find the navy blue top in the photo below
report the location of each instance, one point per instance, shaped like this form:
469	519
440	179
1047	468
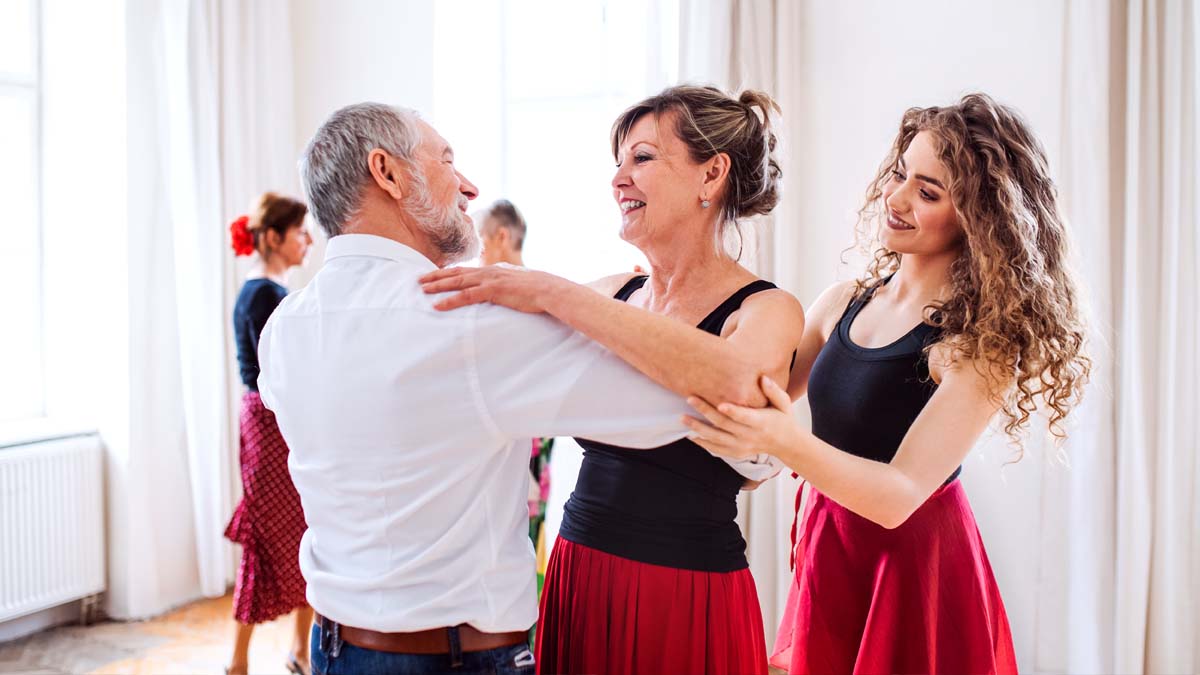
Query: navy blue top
863	400
257	299
673	505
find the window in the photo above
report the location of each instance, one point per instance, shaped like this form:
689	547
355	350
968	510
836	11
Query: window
527	91
22	362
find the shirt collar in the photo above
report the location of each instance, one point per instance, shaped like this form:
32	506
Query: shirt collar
374	246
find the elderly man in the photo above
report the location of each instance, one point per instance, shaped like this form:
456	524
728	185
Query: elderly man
409	427
502	229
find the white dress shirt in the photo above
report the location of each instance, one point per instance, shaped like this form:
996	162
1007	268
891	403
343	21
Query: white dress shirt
408	430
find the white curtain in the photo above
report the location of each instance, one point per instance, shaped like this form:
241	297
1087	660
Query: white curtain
1130	509
209	105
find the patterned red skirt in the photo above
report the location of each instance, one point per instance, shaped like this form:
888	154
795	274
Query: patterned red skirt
917	599
605	614
268	522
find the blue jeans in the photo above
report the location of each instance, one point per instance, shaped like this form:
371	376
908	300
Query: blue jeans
330	655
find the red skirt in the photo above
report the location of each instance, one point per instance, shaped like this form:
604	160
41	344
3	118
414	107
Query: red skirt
917	599
605	614
268	522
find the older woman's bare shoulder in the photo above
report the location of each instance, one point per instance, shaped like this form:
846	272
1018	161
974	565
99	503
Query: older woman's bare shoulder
776	308
776	300
611	284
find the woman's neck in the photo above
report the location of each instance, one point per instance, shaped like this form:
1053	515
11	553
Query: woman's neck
680	275
271	268
922	279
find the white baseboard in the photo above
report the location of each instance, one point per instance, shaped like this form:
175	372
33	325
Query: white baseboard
40	621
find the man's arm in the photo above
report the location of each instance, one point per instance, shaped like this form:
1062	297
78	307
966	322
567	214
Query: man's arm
538	377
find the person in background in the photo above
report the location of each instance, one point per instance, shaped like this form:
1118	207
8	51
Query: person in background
502	231
268	522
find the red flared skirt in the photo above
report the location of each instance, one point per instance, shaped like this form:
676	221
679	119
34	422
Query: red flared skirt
268	522
920	598
601	613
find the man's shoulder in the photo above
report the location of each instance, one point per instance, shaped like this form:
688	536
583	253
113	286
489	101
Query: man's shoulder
496	318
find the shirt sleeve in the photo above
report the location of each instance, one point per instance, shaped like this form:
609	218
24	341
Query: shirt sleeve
538	377
759	468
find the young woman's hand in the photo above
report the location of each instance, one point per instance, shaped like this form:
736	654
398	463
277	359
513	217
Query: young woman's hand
513	287
741	433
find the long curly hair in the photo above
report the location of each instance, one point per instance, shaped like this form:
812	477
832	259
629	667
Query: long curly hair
1014	306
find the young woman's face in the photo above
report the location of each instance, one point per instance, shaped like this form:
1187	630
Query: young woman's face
921	218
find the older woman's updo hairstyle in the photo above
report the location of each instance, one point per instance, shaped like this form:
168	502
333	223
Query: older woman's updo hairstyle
709	122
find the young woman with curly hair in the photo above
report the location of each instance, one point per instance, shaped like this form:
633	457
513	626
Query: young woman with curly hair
968	308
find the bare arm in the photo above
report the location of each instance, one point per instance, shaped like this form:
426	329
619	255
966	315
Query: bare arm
819	323
682	358
938	441
685	359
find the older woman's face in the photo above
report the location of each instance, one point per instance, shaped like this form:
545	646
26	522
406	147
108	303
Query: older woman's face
920	213
657	185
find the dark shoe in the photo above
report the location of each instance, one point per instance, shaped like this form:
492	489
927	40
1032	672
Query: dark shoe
293	666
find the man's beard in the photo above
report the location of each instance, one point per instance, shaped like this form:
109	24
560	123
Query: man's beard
449	229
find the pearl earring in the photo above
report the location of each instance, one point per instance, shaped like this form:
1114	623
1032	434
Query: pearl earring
704	203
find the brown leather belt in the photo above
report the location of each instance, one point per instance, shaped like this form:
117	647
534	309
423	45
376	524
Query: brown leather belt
432	641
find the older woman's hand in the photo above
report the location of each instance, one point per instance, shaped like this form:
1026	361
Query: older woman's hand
742	433
513	287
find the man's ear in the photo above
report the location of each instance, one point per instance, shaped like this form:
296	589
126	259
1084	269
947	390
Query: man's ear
387	172
503	237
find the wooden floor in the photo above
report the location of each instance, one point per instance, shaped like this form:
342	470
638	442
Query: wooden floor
197	638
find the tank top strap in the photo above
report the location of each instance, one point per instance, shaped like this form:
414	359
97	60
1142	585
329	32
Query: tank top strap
630	287
716	319
857	302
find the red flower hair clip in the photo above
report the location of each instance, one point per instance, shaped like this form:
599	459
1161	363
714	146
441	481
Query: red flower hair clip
243	241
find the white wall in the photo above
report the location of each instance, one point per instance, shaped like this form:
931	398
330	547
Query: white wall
860	65
351	51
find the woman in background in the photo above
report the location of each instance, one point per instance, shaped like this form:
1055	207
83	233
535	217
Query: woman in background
969	308
268	522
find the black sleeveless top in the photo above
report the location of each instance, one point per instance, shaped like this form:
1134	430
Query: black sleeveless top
863	400
257	299
673	505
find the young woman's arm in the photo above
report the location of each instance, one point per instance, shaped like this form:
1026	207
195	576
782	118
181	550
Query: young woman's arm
938	441
682	358
819	322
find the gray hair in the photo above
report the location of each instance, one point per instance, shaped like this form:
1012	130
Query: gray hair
334	167
505	214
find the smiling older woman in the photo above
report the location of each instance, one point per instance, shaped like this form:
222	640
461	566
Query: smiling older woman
649	574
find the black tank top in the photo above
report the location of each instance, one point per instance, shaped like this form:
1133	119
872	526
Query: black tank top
673	505
863	400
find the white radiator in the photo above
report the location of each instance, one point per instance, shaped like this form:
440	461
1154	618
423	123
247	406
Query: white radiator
51	524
